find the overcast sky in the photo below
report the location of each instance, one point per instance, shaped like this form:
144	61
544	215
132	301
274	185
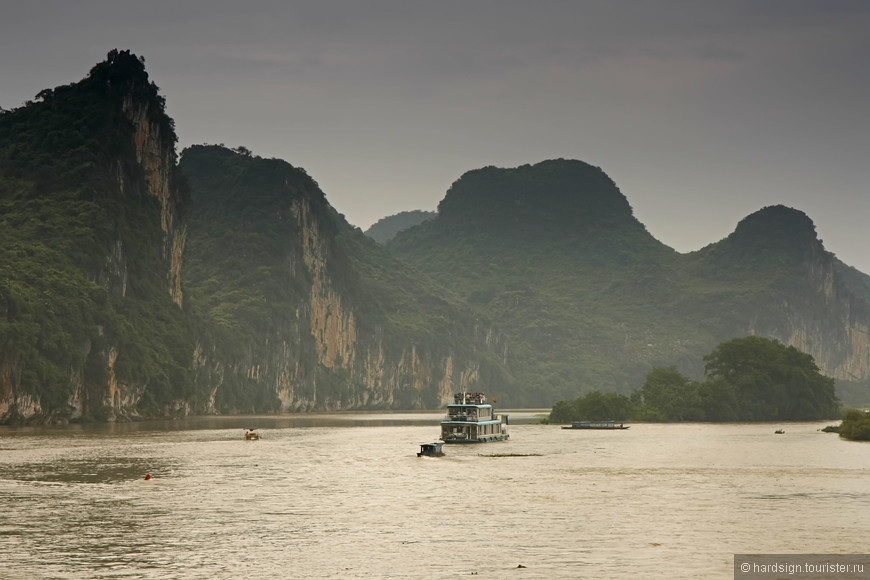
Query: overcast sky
701	111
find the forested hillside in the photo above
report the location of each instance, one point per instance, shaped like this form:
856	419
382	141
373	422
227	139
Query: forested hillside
91	238
552	254
308	313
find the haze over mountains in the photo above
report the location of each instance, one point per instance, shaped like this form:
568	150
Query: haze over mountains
134	285
385	229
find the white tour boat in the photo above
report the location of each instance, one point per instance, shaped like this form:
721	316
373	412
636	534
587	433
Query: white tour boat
470	419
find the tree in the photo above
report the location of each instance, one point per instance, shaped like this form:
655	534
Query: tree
668	395
748	379
855	425
771	381
593	406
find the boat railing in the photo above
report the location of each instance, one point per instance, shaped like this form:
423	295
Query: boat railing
474	418
469	398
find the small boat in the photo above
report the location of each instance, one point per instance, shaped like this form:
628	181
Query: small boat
251	434
431	449
470	419
596	425
779	432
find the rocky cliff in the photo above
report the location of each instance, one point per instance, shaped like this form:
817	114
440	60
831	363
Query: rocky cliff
156	159
92	281
328	320
802	294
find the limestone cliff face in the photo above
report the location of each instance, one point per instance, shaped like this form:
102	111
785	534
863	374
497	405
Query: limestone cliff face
831	323
332	336
149	172
333	327
812	301
373	376
157	159
15	406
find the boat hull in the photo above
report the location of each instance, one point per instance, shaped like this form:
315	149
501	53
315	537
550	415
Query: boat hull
485	439
595	428
599	425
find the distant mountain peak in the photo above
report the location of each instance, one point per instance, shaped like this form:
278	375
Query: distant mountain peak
121	67
552	193
767	239
385	229
776	225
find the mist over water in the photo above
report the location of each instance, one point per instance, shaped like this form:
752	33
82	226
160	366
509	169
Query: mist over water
345	496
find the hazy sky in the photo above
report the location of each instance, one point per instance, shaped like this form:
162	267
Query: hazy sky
701	111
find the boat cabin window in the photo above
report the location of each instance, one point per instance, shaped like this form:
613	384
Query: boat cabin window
470	413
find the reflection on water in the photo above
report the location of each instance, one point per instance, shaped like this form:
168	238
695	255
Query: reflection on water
344	496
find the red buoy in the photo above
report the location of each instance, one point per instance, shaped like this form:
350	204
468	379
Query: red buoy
147	477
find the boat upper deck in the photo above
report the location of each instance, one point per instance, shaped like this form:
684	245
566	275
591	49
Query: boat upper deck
470	413
471	408
469	399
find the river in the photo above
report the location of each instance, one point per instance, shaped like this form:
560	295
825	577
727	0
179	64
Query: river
345	496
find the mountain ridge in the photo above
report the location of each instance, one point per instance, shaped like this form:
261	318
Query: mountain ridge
663	307
136	285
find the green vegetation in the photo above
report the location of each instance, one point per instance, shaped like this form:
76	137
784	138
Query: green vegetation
553	257
264	245
768	381
593	406
65	302
748	379
583	295
855	425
